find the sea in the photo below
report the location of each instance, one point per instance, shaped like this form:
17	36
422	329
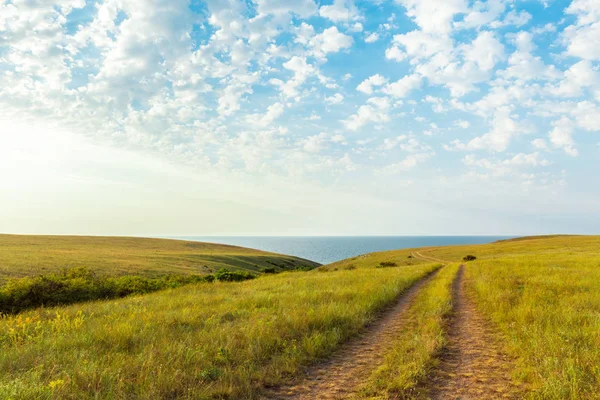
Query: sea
328	249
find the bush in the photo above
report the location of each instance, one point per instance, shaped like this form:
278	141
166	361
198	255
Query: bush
387	264
469	257
269	270
80	284
224	275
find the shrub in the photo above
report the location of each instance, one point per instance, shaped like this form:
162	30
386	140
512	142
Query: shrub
387	264
224	275
80	284
469	257
269	270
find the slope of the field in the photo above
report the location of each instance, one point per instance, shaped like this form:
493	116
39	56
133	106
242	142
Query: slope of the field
25	255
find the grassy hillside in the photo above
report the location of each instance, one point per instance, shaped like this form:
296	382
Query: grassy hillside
25	255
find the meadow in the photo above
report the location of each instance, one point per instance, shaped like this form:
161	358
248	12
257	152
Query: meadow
234	340
542	294
27	255
219	340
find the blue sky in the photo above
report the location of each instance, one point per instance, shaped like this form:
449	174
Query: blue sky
156	117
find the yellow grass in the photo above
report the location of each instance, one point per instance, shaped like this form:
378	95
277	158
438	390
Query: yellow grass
25	255
543	296
230	340
220	340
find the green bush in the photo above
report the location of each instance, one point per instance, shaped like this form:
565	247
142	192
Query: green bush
80	284
225	275
387	264
269	270
469	257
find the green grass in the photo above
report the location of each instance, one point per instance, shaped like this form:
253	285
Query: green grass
219	340
26	255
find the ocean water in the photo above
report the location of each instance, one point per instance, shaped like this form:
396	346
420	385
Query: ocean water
328	249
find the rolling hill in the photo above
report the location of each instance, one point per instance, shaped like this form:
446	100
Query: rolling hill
26	255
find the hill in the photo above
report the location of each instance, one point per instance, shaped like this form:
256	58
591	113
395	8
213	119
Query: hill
26	255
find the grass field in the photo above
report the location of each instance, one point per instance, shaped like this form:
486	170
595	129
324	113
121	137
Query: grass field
22	255
220	340
543	296
540	295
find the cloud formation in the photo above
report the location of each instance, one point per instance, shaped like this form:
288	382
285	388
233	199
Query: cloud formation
317	92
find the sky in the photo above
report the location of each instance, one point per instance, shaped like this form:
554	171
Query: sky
303	117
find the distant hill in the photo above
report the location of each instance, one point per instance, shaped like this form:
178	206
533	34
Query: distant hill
25	255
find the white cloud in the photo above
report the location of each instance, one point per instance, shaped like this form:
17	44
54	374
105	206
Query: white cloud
581	38
419	44
335	99
376	110
340	11
403	86
561	136
514	18
539	144
482	13
239	87
368	84
339	139
579	76
274	111
302	71
485	51
330	41
303	8
356	27
372	37
434	15
394	53
435	57
316	143
587	115
391	143
524	66
504	129
462	124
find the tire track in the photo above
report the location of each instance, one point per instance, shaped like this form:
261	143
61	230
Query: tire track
472	366
341	376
